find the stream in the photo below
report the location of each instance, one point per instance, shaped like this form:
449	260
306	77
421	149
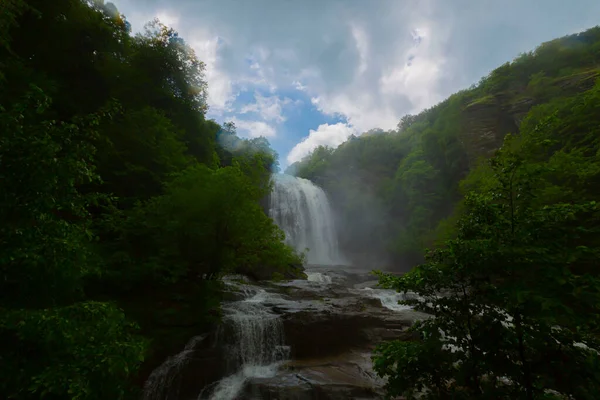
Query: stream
301	339
306	339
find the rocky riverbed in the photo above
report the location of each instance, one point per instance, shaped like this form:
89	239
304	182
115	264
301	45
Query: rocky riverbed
300	340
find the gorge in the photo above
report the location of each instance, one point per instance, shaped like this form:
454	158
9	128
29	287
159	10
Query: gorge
147	253
298	339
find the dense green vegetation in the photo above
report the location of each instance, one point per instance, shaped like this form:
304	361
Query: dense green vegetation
517	261
120	202
521	278
396	191
513	220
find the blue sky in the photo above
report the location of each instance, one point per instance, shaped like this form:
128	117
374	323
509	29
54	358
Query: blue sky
309	72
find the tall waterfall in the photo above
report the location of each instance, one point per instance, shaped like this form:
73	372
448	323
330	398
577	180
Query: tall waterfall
301	209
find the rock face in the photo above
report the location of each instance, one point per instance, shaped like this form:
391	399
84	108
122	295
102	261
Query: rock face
183	375
347	376
488	119
329	325
332	325
343	323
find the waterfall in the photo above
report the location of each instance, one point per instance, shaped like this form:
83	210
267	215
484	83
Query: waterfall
257	346
301	209
165	381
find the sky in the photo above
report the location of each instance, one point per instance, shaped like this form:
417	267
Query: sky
304	73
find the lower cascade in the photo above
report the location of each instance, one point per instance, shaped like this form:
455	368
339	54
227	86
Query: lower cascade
256	347
306	339
165	381
301	209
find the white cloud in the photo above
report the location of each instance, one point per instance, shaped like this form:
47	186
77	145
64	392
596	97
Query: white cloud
299	86
417	73
220	87
325	135
254	129
369	61
206	46
168	18
362	45
273	47
269	108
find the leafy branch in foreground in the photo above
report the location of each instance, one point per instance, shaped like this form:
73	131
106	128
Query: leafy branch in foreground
55	344
514	305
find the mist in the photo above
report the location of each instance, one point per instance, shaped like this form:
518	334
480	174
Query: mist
361	218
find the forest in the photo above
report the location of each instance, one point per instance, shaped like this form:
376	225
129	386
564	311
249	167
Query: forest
490	198
122	205
120	202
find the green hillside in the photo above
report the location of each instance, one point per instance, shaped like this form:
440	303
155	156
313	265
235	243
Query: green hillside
395	192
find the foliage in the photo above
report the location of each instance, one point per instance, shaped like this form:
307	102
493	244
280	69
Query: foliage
403	185
42	254
514	296
208	222
112	178
53	343
81	351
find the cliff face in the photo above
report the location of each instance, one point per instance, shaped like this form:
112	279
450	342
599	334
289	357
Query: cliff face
488	119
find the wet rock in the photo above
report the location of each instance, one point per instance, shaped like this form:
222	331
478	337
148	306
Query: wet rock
313	334
232	295
367	284
295	271
348	376
358	322
183	375
203	368
291	271
330	325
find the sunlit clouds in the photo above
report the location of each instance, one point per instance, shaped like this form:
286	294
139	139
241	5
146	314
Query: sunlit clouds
359	64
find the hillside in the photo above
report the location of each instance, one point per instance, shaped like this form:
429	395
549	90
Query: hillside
395	192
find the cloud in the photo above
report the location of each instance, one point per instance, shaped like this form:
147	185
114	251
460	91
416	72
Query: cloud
254	129
325	135
369	61
221	93
268	108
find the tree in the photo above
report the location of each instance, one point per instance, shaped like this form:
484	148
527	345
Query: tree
517	316
207	223
54	342
115	183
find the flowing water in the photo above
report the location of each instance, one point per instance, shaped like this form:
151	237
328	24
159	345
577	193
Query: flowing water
252	331
165	381
301	209
329	304
389	298
257	346
318	277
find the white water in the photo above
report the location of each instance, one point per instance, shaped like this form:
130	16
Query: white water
257	347
301	209
389	298
318	277
163	383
